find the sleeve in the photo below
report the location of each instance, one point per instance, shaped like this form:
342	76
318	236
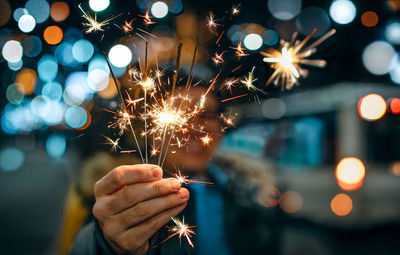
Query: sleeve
90	241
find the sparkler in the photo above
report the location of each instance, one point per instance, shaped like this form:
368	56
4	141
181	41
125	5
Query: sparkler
211	23
185	180
218	58
147	19
91	24
114	144
239	51
287	62
182	230
206	140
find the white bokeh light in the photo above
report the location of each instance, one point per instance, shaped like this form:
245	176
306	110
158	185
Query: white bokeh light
98	80
392	32
159	9
378	57
120	55
26	23
253	41
342	11
284	9
12	51
99	5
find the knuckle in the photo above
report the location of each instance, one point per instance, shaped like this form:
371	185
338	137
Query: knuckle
158	186
98	211
128	196
141	210
96	188
117	175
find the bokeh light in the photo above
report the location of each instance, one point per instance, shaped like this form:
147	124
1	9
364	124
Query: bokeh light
120	55
159	9
39	9
350	173
26	23
372	107
395	168
12	51
11	159
175	6
59	11
18	13
74	95
82	50
369	19
47	68
99	5
15	66
27	81
109	92
291	201
56	145
273	108
52	90
253	41
14	94
270	37
284	9
392	32
75	117
64	54
98	79
32	46
53	35
342	11
378	57
341	204
311	18
394	105
395	69
5	12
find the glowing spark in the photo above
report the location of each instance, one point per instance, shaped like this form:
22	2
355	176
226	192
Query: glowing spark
206	140
91	24
127	27
287	62
147	84
218	58
182	179
239	51
249	80
182	230
121	122
147	19
235	10
228	85
211	23
128	151
228	120
114	144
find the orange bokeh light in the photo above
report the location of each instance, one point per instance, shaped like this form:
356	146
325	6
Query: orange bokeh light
110	91
53	35
291	201
59	11
394	105
88	121
341	204
369	19
350	173
26	80
372	107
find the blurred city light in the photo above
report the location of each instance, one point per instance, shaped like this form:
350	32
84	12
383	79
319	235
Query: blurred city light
11	159
32	46
284	9
59	11
17	14
14	94
99	5
39	9
12	51
395	168
26	23
270	37
56	145
313	18
120	55
27	81
98	79
75	117
394	105
372	107
82	50
159	9
47	68
369	19
350	173
15	66
273	108
74	94
342	11
378	57
52	90
175	6
291	201
253	41
392	32
64	54
53	35
341	204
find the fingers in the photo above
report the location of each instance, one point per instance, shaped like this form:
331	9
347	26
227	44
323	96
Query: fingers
126	175
134	194
147	209
143	232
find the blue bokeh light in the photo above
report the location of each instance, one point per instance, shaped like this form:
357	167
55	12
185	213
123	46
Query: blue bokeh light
52	90
47	68
75	117
32	46
11	159
82	50
56	146
39	9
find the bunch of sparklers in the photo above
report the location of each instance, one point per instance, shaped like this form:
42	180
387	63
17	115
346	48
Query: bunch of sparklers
167	114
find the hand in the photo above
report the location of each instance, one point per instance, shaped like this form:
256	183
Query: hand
133	202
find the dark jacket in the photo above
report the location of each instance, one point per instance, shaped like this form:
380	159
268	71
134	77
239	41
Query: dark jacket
248	227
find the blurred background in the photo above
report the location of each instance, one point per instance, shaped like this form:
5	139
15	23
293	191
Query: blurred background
333	142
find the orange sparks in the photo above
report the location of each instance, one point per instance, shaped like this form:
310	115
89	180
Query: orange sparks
114	144
206	140
147	19
127	27
182	179
218	58
232	98
239	51
211	23
227	85
181	230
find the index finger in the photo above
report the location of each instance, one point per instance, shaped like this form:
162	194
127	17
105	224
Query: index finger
126	175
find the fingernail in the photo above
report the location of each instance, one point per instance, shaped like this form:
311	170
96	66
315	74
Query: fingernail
175	184
183	194
155	172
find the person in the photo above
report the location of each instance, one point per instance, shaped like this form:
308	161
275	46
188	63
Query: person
133	203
